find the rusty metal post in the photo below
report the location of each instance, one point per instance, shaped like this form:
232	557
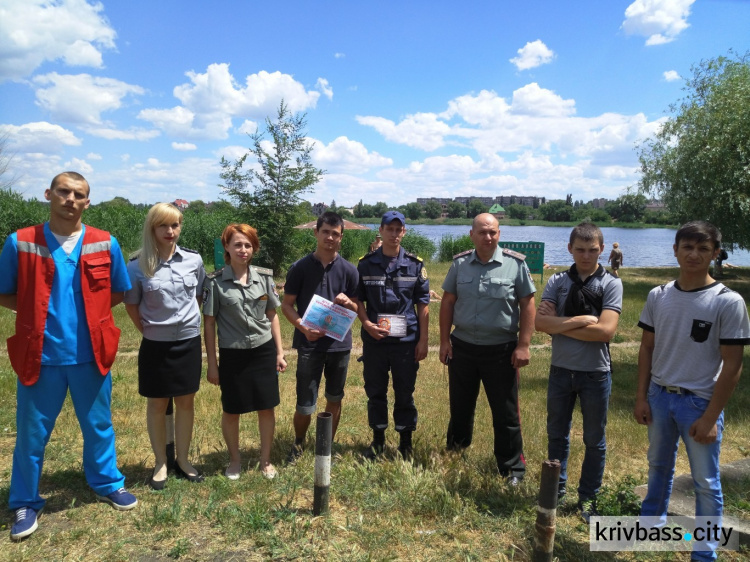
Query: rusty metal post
323	437
546	512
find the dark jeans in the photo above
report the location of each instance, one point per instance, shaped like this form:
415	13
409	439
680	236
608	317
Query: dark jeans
593	389
378	359
490	365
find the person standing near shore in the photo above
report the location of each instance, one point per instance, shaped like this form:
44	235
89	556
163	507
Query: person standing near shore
615	257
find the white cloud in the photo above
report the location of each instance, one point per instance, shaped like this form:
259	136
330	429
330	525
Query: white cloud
132	133
247	128
661	21
671	75
39	137
535	101
81	98
212	99
343	155
93	156
184	146
421	130
80	166
339	55
533	54
324	87
35	31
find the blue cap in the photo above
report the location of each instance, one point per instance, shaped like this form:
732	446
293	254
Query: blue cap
391	216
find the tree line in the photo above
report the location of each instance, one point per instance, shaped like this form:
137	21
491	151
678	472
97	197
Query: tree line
628	208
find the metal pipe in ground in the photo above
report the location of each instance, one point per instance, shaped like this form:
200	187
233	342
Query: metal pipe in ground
546	512
323	438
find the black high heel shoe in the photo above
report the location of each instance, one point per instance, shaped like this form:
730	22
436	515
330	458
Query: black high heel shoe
179	473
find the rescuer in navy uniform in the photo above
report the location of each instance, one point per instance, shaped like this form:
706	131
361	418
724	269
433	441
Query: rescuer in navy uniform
394	287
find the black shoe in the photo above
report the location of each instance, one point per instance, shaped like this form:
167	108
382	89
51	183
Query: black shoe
373	452
170	457
157	484
513	481
294	453
587	510
179	473
561	491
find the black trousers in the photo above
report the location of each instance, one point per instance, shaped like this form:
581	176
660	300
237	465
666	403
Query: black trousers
378	359
490	365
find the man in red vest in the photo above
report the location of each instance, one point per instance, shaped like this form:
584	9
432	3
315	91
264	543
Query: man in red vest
62	278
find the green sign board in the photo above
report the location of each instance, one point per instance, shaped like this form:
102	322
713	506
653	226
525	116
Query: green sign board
219	254
534	252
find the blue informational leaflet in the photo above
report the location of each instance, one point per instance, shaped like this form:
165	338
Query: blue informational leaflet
331	319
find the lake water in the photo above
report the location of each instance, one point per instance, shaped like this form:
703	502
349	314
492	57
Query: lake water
641	247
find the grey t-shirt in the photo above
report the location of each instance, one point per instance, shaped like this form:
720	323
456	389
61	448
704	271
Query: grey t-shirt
689	329
570	353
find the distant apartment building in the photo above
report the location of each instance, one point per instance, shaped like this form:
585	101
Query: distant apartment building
319	208
502	200
657	206
599	203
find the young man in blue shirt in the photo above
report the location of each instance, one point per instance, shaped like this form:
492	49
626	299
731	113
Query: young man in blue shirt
62	278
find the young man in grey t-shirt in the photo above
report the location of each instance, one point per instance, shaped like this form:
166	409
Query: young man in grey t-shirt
689	363
580	309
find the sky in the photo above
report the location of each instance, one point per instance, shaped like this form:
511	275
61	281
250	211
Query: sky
403	99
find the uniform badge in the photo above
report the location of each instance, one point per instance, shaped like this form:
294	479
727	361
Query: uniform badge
423	274
205	294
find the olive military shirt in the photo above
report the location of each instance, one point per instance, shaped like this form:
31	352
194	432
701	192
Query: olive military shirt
240	310
486	310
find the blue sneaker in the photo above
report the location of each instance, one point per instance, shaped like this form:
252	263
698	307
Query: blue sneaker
25	523
121	500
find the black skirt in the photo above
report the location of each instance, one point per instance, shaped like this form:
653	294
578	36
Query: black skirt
248	379
169	368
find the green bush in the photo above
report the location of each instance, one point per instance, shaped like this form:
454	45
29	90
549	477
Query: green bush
450	246
17	213
419	244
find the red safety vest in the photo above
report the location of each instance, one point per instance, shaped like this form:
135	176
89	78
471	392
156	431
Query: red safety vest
36	269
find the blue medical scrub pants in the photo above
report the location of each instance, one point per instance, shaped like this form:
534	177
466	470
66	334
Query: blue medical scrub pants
37	408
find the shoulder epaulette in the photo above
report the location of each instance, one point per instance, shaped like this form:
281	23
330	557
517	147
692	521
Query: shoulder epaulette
263	270
214	274
189	250
514	254
367	255
462	254
413	256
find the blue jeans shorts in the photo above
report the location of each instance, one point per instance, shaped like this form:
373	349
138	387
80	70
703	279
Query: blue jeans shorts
310	368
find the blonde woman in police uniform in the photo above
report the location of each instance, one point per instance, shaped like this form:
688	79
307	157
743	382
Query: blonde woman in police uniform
164	305
240	301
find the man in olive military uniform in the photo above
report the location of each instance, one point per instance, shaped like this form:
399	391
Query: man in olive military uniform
393	285
489	298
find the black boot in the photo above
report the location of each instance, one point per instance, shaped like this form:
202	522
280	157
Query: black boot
377	446
404	446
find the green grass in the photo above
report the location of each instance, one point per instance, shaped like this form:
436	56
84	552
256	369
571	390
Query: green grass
441	507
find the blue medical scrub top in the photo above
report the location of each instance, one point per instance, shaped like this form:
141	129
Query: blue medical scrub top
66	334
